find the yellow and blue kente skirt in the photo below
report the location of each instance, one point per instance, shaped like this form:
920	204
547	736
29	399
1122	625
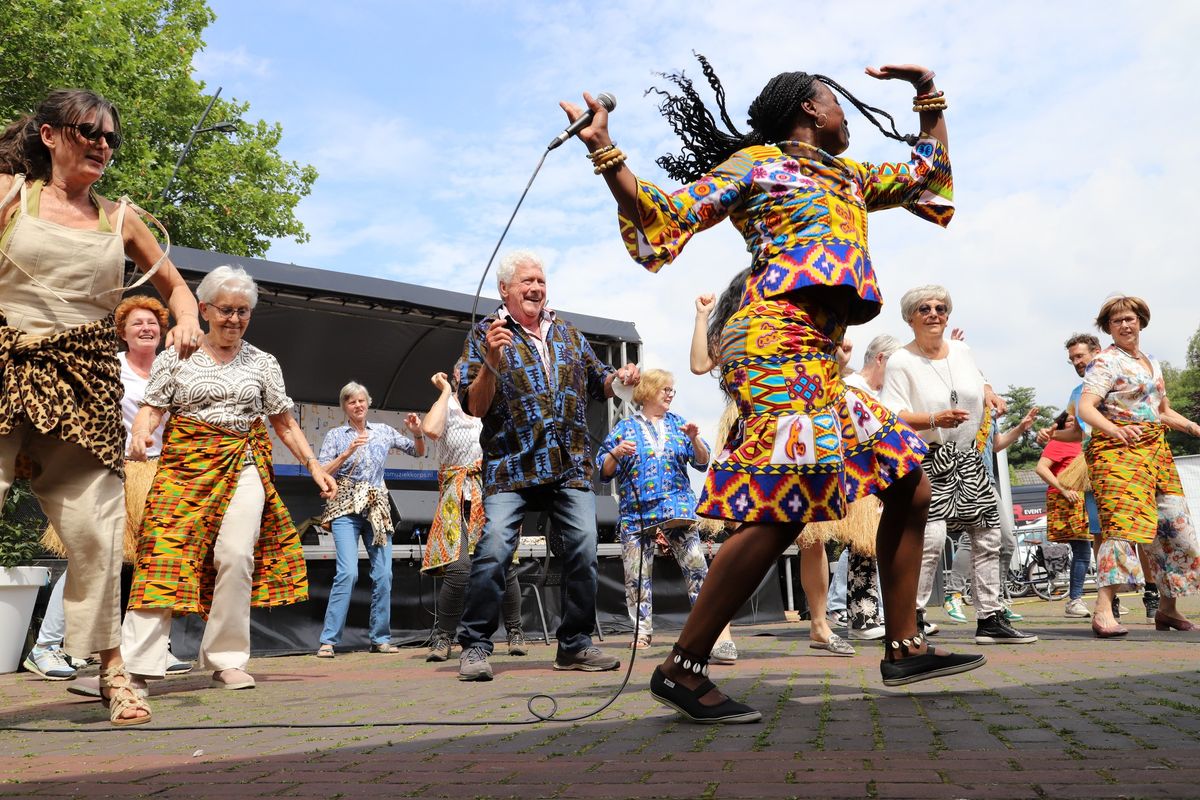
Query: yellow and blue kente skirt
805	445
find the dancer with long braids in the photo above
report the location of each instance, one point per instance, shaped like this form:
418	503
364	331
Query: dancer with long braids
806	446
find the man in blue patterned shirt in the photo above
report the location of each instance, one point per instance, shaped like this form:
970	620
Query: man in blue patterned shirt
528	376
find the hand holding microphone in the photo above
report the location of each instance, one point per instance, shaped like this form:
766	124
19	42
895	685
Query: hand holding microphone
591	125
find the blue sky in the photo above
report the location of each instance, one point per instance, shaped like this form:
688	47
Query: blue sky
1072	133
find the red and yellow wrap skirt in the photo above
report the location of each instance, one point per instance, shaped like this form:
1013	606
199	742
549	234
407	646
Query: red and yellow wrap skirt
197	475
1127	479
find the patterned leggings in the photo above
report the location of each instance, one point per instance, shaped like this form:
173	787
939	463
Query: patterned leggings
862	595
637	554
1174	554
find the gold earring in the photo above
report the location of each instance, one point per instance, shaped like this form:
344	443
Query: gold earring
821	120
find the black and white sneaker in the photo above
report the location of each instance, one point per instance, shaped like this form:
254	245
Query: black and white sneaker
995	629
927	628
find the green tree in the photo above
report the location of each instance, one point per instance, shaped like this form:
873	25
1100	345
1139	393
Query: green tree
1025	451
1183	390
234	193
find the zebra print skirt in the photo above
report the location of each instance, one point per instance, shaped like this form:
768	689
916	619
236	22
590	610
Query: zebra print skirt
962	494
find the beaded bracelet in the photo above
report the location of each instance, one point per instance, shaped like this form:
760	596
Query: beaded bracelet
934	105
592	156
611	163
929	96
608	154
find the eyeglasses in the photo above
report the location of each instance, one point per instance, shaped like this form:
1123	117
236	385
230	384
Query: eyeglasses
925	309
226	312
92	132
669	392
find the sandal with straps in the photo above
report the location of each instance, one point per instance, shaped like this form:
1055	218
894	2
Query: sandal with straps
687	701
123	698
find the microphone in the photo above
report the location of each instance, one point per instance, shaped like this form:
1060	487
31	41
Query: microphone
604	98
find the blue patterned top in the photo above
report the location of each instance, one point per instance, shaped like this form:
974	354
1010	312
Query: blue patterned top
653	483
365	464
535	432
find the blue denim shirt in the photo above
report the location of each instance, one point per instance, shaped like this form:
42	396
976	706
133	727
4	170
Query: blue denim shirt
367	463
535	432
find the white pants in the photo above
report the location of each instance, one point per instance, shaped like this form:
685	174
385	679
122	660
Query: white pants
985	566
85	502
226	644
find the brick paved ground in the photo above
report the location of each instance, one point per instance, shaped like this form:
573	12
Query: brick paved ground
1071	716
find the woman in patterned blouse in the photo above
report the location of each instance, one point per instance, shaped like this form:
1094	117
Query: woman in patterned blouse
1133	475
801	453
649	453
216	537
355	454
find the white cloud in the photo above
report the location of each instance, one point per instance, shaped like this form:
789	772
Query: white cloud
217	65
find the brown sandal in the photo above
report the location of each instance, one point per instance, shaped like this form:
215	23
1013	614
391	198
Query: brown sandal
123	697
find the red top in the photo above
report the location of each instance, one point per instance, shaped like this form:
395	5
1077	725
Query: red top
1061	454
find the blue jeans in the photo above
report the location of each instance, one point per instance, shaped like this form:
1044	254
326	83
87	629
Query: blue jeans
346	532
573	512
838	583
1081	558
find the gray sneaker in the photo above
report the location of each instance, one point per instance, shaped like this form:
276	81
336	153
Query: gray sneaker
473	665
50	663
589	659
517	645
439	649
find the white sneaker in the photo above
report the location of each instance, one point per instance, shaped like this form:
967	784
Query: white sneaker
869	633
1077	608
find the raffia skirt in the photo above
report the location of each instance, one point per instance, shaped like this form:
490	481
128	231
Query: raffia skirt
138	477
805	446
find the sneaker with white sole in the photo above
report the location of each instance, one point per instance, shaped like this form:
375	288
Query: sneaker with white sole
473	664
589	659
177	666
1077	608
868	633
1012	616
51	663
954	608
994	629
927	628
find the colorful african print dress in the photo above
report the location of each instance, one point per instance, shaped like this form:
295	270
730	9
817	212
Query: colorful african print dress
1137	487
805	445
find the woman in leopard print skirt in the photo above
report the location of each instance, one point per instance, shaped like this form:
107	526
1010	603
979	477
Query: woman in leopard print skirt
62	257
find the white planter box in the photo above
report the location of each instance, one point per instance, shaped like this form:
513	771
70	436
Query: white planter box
18	592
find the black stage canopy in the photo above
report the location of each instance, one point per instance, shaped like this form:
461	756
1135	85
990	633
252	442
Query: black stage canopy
327	328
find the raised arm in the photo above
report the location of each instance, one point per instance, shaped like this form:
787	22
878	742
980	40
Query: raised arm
434	424
933	121
620	179
701	360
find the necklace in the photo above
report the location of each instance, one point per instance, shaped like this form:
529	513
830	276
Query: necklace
948	384
1137	357
215	356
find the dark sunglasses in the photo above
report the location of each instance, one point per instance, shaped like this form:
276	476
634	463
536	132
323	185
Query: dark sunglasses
925	309
93	134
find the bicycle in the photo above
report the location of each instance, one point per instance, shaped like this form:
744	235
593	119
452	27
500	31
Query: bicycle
1028	571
